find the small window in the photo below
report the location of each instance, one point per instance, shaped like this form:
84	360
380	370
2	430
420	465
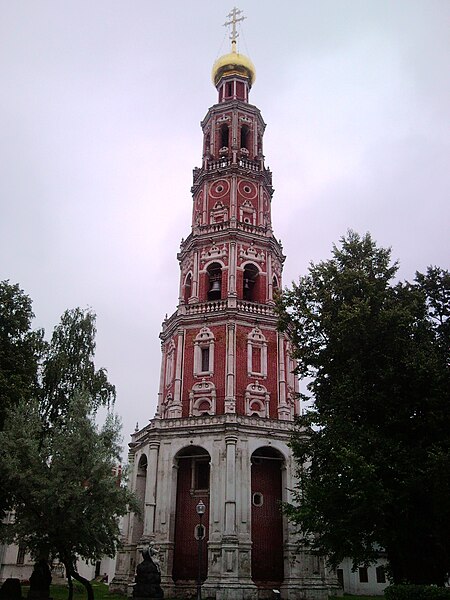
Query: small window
363	575
256	359
205	359
258	499
381	575
340	577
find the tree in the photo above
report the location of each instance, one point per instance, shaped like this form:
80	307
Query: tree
56	467
21	348
373	452
69	367
67	497
20	353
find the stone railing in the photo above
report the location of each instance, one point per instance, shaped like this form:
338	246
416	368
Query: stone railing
222	163
251	165
204	308
249	228
254	308
212	227
215	306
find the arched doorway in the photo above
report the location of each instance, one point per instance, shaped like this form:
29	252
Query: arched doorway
192	486
267	518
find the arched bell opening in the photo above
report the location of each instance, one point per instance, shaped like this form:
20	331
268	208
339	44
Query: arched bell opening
267	518
214	273
251	274
245	139
193	483
224	139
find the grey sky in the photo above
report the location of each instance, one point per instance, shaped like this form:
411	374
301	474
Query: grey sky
100	104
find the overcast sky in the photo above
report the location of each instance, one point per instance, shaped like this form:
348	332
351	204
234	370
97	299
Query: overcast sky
100	104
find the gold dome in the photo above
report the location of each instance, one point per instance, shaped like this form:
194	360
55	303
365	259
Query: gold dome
233	63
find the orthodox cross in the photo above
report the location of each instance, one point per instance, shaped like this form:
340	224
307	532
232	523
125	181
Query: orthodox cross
233	19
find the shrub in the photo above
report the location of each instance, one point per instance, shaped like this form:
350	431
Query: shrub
416	592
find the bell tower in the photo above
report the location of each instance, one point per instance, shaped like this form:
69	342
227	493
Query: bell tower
228	395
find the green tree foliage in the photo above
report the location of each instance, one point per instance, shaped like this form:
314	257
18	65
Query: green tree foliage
373	452
69	368
21	349
56	466
67	497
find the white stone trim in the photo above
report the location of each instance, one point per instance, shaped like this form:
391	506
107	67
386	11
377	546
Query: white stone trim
204	339
256	339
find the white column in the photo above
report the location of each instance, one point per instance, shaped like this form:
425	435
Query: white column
283	408
194	294
150	490
269	278
158	414
232	270
230	489
230	398
233	200
176	406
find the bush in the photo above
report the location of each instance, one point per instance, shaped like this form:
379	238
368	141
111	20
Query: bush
416	592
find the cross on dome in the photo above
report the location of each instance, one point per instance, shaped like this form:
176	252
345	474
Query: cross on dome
234	18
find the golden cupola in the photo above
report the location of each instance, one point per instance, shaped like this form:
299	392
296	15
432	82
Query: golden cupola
233	64
233	74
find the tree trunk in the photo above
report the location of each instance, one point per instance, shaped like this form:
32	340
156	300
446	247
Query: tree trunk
70	584
71	573
86	583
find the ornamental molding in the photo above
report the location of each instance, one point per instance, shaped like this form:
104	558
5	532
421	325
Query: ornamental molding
214	252
252	253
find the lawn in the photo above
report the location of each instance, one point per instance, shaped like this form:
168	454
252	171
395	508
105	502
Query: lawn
350	597
60	592
101	592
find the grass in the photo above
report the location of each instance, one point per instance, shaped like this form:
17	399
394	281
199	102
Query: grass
351	597
60	592
101	592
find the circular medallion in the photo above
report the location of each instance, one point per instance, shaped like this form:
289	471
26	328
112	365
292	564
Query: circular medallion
247	189
219	188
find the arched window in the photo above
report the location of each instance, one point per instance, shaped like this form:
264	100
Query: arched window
214	281
250	277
